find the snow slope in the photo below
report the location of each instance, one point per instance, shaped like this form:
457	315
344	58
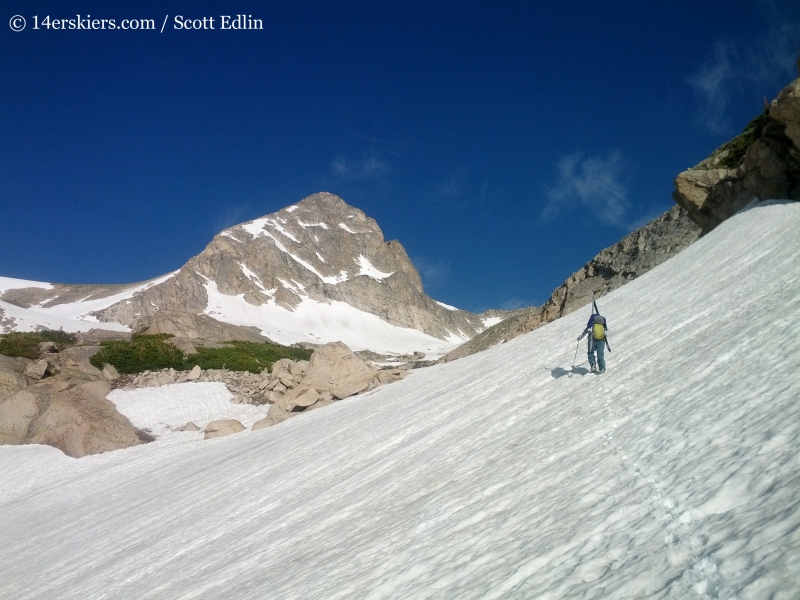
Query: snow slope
69	316
674	475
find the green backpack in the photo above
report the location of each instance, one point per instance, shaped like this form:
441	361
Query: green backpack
598	328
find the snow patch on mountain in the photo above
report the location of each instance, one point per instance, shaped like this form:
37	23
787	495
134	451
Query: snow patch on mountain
10	283
69	316
319	323
307	225
370	271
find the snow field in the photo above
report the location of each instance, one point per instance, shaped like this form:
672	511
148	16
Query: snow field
163	409
674	475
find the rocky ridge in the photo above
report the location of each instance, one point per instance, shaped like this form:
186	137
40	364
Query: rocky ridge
762	163
633	256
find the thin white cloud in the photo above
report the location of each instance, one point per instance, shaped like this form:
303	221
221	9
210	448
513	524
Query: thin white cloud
230	215
368	167
433	274
592	183
453	186
742	66
713	84
514	303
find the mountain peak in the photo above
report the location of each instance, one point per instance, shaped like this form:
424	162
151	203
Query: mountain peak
315	271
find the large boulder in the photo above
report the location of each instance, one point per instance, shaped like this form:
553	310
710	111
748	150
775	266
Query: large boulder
762	163
302	396
37	370
16	413
222	428
72	365
12	378
77	420
334	367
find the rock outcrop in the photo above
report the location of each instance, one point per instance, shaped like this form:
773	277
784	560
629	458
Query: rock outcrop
77	420
760	164
60	400
633	256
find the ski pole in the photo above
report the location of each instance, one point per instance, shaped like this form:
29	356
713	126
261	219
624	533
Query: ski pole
576	355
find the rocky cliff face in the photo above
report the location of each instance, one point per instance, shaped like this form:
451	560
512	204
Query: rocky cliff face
762	163
320	250
633	256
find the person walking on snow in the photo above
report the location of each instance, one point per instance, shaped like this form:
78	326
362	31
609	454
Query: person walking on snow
596	328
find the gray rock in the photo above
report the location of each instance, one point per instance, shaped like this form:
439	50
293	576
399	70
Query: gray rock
77	420
48	348
194	374
37	370
390	376
760	164
110	372
12	375
223	428
265	422
301	396
190	427
335	368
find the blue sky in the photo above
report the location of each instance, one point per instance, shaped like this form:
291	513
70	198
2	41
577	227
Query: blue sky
503	144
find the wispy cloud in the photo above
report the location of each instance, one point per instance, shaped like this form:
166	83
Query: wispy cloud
737	66
453	186
713	84
433	274
593	183
230	215
368	167
514	303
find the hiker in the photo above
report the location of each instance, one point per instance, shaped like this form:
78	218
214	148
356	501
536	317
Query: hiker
596	328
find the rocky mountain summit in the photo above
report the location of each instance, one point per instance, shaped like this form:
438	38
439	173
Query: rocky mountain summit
311	273
319	251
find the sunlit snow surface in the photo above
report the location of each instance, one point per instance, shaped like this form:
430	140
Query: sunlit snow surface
164	409
674	475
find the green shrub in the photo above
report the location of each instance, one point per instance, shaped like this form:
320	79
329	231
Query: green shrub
152	352
244	356
27	344
142	353
738	146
